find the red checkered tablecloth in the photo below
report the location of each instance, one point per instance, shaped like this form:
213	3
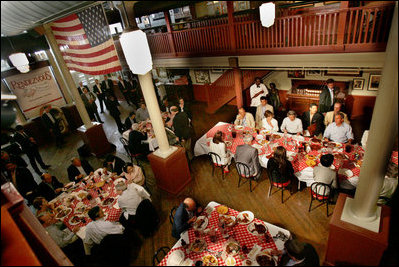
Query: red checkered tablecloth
238	232
113	213
394	157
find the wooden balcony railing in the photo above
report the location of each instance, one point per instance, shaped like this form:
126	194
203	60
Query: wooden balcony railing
359	29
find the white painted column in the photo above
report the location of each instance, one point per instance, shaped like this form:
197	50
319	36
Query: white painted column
155	115
67	76
363	210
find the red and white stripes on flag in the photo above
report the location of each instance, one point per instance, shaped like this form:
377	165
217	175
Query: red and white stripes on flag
86	43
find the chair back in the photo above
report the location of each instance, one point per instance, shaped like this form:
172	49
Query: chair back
243	170
320	191
215	158
124	141
172	215
277	180
159	255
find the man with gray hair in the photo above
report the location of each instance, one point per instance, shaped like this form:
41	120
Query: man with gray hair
291	124
339	131
248	155
79	169
137	208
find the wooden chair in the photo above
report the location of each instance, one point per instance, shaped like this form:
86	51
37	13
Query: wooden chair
172	215
320	192
243	172
132	156
279	183
216	161
159	255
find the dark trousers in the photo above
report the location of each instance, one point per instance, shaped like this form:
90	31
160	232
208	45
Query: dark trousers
101	99
34	156
252	110
118	122
128	97
95	112
58	136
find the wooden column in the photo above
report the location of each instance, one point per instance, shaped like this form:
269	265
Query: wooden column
238	85
342	22
170	33
230	11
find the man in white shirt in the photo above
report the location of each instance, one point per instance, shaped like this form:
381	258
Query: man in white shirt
257	90
330	116
291	124
339	131
99	228
260	111
244	119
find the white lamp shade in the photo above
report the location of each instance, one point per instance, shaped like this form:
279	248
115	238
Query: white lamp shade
137	52
267	14
20	61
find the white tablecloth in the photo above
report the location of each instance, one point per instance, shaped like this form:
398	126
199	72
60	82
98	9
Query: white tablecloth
152	142
306	175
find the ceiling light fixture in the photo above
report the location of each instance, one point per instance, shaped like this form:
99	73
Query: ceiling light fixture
19	60
267	14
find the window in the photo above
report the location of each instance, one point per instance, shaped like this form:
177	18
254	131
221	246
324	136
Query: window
116	28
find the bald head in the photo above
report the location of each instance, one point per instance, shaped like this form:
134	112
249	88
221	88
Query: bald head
190	204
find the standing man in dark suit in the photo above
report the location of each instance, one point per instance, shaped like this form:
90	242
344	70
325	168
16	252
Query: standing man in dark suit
313	121
53	125
326	97
89	99
100	94
184	216
134	90
185	107
124	86
30	148
249	155
182	128
80	88
130	120
79	169
50	187
22	179
114	164
107	86
112	105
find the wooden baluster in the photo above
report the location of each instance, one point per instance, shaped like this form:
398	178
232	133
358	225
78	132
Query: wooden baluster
374	22
305	24
314	31
366	33
333	42
360	28
355	28
380	25
328	29
300	31
350	26
253	46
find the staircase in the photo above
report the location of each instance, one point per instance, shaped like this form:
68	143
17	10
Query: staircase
222	90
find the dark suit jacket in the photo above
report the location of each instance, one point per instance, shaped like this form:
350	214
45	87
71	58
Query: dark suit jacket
180	221
119	163
46	191
111	86
73	171
18	160
135	145
49	124
311	257
91	106
25	143
187	109
113	107
25	181
97	91
182	126
318	118
249	156
128	123
81	91
124	88
277	175
325	100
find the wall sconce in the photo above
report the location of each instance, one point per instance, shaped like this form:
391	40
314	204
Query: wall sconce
267	14
20	61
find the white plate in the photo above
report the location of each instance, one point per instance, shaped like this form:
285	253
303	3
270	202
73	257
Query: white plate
251	217
118	180
239	127
68	185
251	227
175	258
232	217
230	261
228	143
70	220
81	192
260	137
266	252
264	132
68	212
204	224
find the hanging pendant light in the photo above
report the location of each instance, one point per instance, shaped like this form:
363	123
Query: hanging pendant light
19	60
267	14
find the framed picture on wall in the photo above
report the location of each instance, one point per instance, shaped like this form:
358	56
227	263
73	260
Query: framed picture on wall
202	76
358	84
374	82
296	74
313	73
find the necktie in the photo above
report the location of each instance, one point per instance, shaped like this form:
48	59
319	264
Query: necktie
25	135
51	117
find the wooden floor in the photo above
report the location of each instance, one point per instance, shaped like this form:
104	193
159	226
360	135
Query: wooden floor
293	215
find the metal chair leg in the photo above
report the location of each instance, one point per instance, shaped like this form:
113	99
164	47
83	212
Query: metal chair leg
250	185
270	189
282	195
327	208
239	180
310	206
222	168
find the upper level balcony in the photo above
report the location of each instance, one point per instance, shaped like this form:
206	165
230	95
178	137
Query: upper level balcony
340	30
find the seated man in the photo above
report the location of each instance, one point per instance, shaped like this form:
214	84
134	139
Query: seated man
330	116
50	187
97	229
137	208
390	184
114	164
130	120
249	156
261	109
8	157
291	124
79	169
184	216
136	146
22	179
312	122
142	113
339	131
296	253
244	119
324	174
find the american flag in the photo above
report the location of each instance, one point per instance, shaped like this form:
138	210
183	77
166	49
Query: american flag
86	43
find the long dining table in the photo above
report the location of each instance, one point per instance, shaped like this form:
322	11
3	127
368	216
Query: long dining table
239	233
346	163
